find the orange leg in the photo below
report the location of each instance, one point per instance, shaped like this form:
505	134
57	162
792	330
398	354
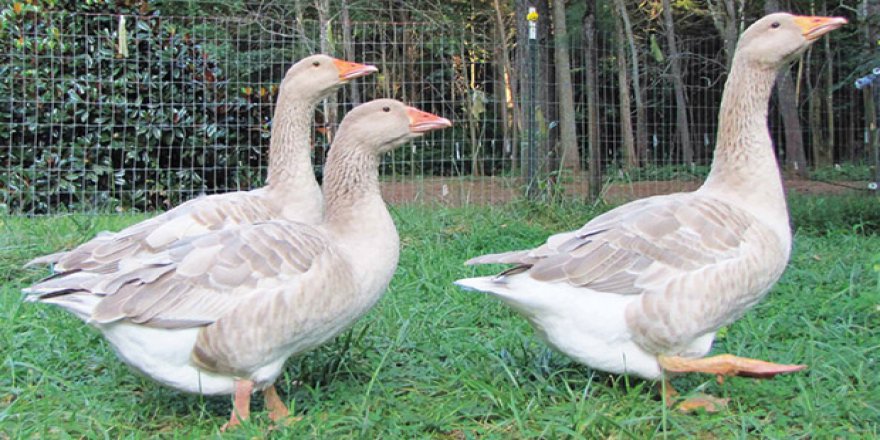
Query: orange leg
669	392
277	409
241	405
721	366
726	365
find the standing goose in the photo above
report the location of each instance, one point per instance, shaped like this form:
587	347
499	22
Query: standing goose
219	313
291	194
643	288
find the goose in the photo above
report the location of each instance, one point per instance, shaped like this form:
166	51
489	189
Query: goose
643	288
292	193
219	313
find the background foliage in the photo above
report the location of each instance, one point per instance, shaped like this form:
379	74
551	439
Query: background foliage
147	123
176	100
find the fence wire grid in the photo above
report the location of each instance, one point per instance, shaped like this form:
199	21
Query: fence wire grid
122	111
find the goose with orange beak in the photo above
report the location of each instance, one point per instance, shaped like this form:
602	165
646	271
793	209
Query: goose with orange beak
291	193
643	288
220	312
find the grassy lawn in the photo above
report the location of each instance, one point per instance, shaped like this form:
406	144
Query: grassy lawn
431	361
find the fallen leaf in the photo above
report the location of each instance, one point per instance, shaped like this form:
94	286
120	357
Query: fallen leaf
705	402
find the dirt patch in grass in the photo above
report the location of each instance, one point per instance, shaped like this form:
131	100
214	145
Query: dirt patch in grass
492	190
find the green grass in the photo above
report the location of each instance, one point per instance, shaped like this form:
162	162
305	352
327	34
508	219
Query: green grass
653	172
845	171
431	361
681	172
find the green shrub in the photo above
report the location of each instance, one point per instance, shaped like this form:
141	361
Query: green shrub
102	121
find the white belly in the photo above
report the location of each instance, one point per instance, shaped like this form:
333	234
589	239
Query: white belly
588	326
164	356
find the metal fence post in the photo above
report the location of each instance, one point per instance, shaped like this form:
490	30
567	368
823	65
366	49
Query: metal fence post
875	91
870	80
531	188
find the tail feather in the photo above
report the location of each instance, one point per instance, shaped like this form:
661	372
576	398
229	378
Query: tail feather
56	257
480	284
514	257
80	304
522	293
46	259
64	282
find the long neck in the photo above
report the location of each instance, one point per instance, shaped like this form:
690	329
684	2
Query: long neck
290	158
356	215
351	181
744	168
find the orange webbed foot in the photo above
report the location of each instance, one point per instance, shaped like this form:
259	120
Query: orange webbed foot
277	409
727	365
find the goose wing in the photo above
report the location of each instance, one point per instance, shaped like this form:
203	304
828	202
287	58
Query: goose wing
198	279
641	246
194	217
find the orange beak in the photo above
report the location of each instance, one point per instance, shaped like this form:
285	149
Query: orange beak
815	27
349	70
421	122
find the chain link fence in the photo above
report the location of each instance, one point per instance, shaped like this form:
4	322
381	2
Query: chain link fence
140	110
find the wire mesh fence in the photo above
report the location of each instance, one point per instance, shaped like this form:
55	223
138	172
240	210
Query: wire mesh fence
125	110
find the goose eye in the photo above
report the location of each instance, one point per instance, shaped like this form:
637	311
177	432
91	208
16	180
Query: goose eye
386	109
316	63
775	25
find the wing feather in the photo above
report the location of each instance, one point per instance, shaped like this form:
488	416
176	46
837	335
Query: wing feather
639	245
199	279
194	217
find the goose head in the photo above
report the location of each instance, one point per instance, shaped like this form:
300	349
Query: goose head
314	77
382	125
777	38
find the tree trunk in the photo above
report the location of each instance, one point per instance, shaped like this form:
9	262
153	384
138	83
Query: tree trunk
410	51
299	24
519	80
474	113
590	61
627	148
819	142
870	118
547	111
504	89
724	17
323	8
821	152
795	157
681	114
348	48
639	92
851	143
569	158
829	94
786	98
